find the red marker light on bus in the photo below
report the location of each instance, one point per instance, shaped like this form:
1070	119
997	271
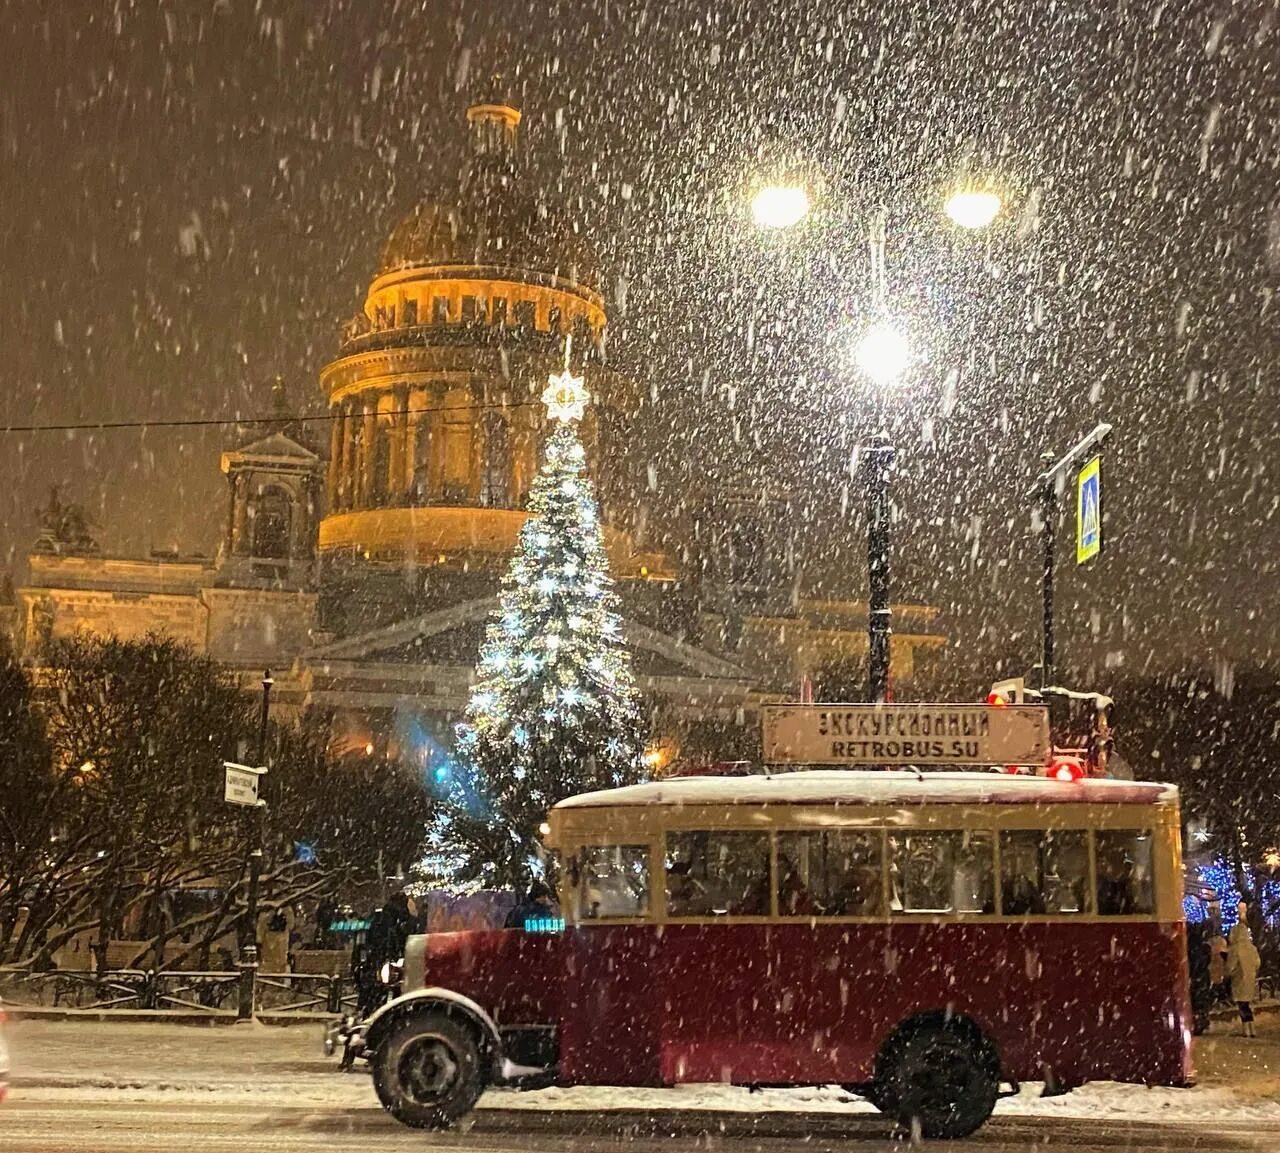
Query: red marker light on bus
1066	769
997	700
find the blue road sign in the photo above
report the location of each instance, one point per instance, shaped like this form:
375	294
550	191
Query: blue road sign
1089	511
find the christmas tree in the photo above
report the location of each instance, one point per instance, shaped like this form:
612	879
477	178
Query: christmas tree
553	711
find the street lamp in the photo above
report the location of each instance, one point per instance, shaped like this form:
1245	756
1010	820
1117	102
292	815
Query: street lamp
973	208
780	206
883	353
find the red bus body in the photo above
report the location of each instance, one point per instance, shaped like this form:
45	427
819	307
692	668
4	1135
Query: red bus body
812	1004
937	954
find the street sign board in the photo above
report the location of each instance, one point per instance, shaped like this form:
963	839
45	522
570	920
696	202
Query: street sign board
916	734
241	785
1089	511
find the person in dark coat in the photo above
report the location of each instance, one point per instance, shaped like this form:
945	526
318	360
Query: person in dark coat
538	905
388	933
1198	960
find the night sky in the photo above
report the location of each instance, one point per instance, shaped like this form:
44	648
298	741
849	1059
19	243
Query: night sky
195	195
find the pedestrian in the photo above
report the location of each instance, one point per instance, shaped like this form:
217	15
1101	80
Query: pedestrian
1198	966
1243	963
1218	949
538	906
388	933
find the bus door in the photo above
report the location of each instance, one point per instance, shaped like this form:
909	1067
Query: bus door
612	994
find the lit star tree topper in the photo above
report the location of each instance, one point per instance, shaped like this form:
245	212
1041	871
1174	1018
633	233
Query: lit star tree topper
565	398
553	710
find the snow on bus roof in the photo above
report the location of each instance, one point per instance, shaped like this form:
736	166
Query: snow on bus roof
876	787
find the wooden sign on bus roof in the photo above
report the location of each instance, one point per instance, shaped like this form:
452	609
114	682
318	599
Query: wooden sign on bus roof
898	735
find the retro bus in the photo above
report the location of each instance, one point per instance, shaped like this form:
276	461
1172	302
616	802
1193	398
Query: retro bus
923	939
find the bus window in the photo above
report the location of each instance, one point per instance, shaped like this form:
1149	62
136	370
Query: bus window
943	872
717	874
830	874
1042	871
1124	872
614	881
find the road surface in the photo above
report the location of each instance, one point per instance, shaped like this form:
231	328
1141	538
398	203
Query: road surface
108	1087
43	1122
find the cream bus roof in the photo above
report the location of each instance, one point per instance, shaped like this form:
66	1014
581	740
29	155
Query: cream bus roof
881	787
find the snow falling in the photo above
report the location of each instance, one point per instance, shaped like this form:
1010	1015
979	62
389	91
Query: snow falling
420	414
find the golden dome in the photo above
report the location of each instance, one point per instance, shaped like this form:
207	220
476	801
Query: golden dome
495	221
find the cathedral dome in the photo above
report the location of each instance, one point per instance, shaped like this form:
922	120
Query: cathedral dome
496	220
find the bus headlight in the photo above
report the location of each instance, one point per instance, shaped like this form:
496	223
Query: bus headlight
391	972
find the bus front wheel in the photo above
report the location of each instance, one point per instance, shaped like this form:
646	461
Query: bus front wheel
942	1081
427	1071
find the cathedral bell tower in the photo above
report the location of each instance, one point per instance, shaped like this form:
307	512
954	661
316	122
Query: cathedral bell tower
274	490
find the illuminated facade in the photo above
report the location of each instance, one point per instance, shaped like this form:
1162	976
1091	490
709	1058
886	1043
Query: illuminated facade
365	581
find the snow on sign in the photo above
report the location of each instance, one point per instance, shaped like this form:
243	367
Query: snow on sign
241	787
1089	511
905	734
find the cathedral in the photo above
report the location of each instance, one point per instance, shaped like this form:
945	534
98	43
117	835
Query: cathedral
361	568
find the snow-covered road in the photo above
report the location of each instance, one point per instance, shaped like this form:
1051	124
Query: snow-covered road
119	1086
69	1123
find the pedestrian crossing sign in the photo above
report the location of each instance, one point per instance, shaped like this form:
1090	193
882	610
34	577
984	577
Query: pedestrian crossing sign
1089	511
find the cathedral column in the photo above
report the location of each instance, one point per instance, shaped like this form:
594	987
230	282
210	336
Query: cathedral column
230	545
409	437
239	519
395	449
345	475
435	462
368	455
333	476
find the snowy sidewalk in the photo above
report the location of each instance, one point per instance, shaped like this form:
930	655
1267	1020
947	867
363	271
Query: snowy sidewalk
257	1064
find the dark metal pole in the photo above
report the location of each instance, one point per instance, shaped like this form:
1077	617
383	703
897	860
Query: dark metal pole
1048	530
876	464
257	819
1045	494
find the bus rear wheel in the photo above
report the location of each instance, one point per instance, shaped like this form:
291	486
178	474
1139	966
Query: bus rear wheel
427	1071
942	1081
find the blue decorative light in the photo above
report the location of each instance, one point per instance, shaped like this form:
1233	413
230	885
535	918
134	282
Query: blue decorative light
544	925
1221	878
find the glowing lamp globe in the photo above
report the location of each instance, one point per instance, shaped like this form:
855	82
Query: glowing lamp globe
883	354
780	206
972	208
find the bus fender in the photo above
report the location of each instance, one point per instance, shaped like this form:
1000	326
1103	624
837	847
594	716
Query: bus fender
420	1000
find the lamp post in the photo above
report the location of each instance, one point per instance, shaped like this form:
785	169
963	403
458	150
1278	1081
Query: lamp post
877	461
1047	496
883	354
257	821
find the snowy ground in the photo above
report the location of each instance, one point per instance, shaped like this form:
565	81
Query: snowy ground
114	1075
1239	1078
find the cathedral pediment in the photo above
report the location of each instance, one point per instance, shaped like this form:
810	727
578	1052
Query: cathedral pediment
274	449
452	636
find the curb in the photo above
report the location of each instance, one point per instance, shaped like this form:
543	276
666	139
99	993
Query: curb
124	1084
159	1016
